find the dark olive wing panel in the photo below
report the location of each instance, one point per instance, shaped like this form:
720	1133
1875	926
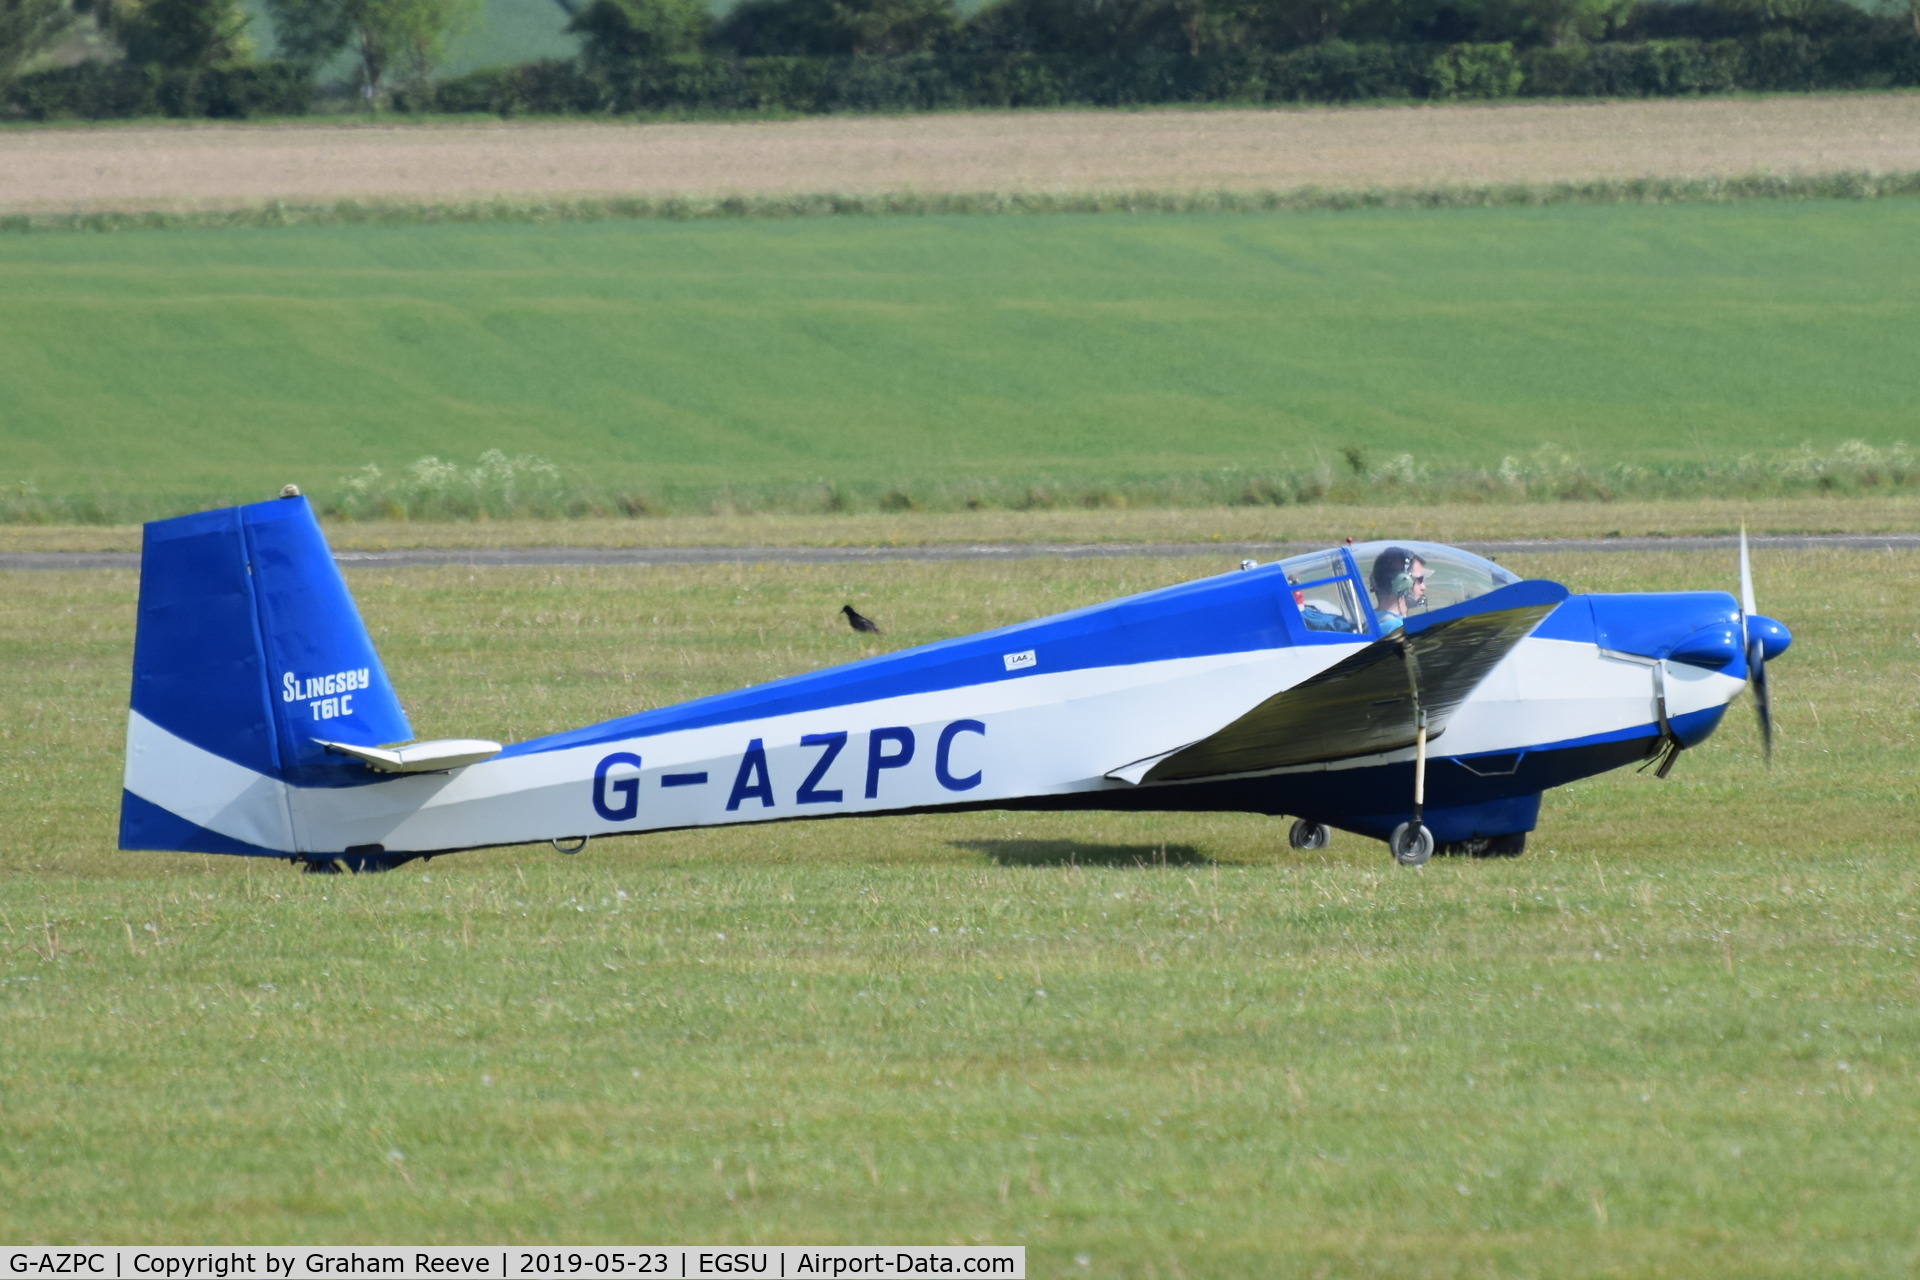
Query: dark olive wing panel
1363	704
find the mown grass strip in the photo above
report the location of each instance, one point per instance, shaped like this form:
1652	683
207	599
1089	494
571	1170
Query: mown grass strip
1836	186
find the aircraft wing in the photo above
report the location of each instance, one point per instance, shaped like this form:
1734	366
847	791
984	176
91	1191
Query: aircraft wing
1364	704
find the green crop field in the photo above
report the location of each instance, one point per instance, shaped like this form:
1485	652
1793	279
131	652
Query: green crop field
940	360
1676	1037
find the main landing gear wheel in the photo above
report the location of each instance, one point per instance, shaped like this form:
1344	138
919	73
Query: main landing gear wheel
1411	846
1307	835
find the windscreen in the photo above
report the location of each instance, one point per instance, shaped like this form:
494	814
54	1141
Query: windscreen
1325	594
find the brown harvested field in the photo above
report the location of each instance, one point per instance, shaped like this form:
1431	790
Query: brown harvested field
213	167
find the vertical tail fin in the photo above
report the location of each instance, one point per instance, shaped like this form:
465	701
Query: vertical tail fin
248	648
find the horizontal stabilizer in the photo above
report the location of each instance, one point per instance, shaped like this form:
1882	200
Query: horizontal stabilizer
419	757
1365	703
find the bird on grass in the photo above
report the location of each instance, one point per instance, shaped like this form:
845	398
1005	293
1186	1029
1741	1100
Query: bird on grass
859	621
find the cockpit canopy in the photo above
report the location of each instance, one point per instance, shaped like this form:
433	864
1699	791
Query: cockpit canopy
1333	589
1453	576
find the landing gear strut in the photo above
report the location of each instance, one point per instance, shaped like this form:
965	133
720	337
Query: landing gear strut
1411	842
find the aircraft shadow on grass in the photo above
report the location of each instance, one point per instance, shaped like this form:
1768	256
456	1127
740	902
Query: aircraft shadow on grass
1081	853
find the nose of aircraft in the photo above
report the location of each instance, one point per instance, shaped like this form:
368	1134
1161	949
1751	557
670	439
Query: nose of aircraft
1773	636
1700	628
1715	647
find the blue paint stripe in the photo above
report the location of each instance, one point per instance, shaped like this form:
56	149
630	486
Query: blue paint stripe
1239	612
145	825
1648	624
1691	728
1246	611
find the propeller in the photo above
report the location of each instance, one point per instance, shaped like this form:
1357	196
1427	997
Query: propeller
1756	650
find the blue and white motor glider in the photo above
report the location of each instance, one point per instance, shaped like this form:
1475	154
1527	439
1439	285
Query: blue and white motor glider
263	724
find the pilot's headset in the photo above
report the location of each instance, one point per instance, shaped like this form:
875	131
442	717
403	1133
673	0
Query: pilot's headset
1393	574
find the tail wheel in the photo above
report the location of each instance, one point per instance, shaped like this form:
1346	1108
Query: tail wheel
1508	846
1411	846
1307	835
1511	846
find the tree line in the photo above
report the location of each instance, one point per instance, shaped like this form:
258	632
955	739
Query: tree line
842	55
622	31
197	57
194	57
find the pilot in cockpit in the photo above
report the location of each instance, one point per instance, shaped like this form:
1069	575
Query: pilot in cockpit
1399	581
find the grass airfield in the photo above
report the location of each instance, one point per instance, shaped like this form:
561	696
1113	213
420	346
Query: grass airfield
1677	1037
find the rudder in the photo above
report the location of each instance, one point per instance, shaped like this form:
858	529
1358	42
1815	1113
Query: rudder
247	648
